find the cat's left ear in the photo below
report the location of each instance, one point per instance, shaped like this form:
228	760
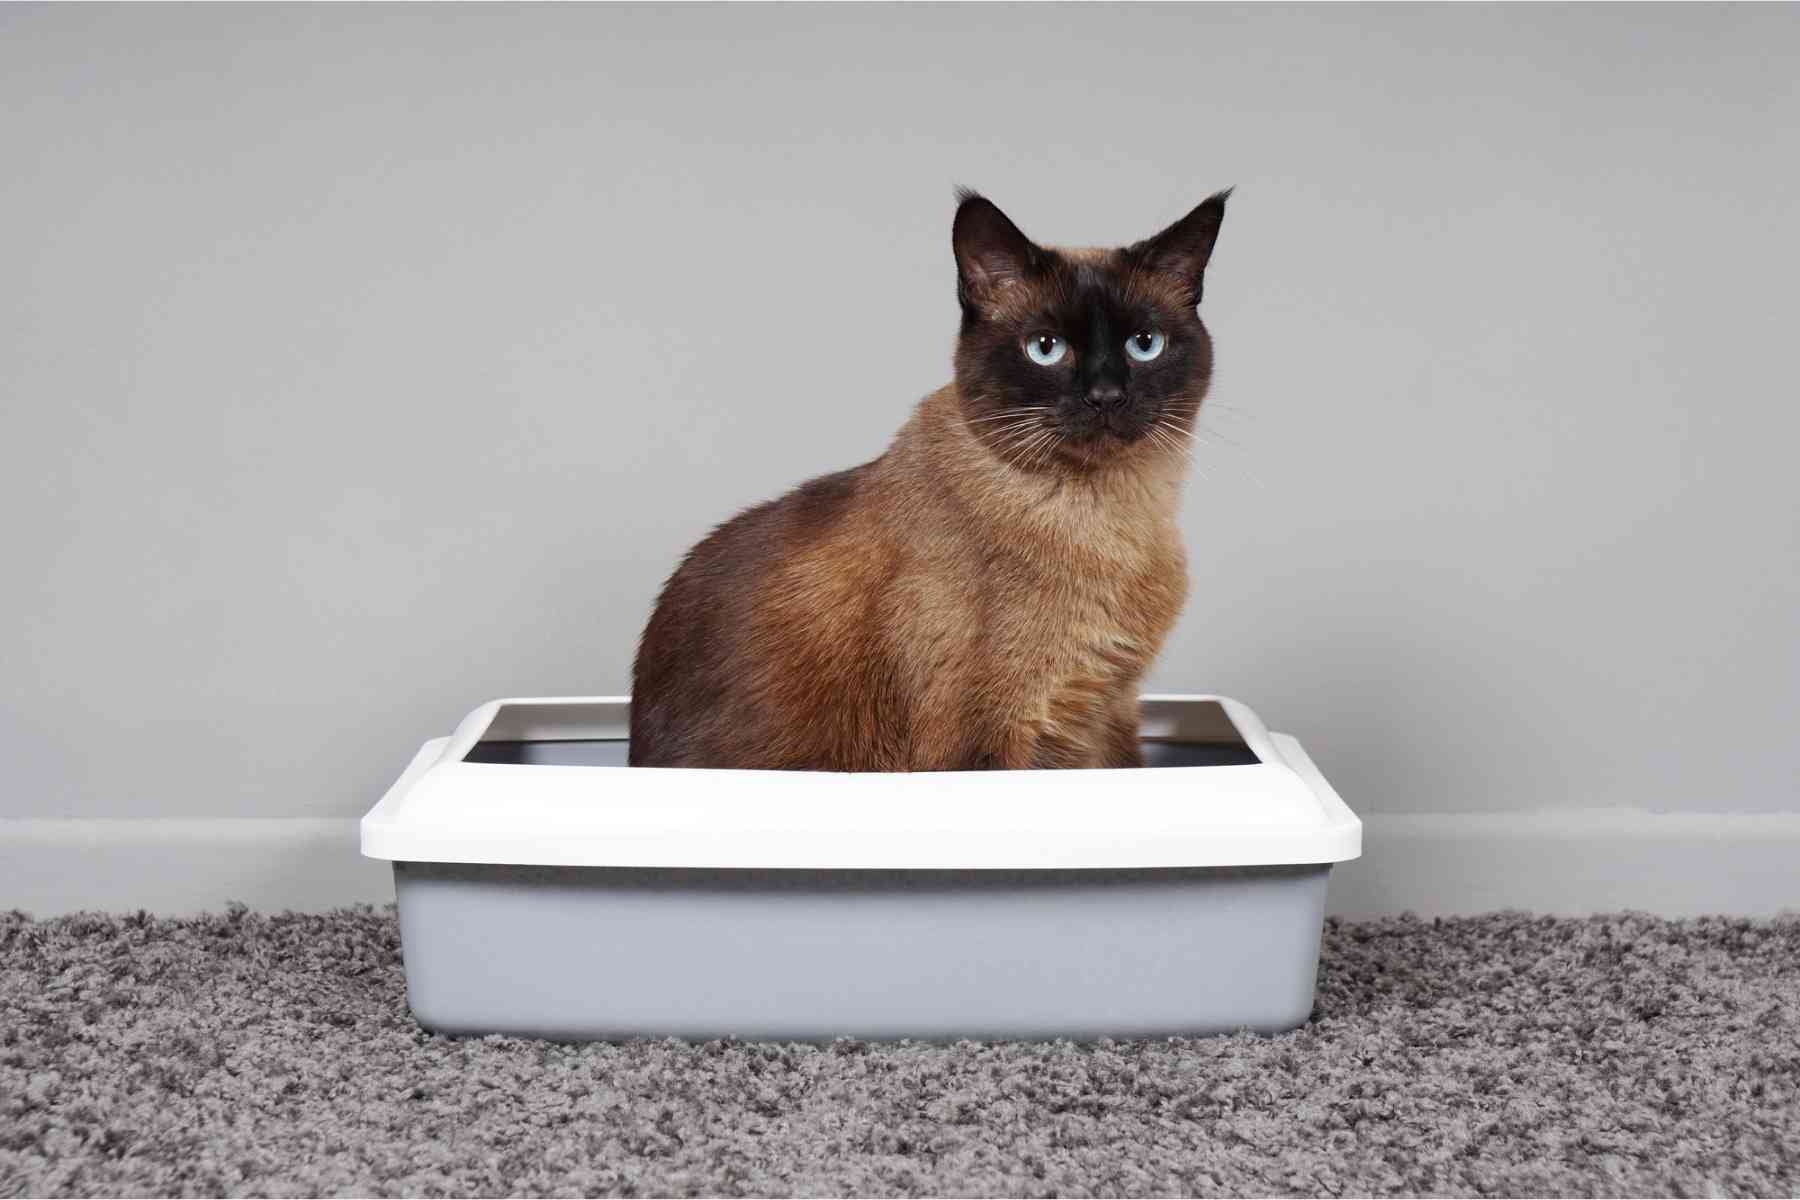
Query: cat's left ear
1184	248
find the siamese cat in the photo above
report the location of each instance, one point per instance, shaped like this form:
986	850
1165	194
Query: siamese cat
987	593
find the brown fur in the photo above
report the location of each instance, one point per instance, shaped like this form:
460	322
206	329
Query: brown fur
946	606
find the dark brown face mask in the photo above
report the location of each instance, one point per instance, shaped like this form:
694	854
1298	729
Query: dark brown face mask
1066	357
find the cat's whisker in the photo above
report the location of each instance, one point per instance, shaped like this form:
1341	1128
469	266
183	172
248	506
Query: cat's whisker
1013	440
1011	412
1008	430
1239	462
1013	453
1212	437
1032	456
1002	427
1005	418
1167	440
1013	436
1014	411
1046	449
1044	437
1220	437
1033	426
1174	423
1030	421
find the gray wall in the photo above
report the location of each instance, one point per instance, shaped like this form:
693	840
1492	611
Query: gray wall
360	365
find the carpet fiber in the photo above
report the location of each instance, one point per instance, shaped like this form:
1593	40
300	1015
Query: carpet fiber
1502	1055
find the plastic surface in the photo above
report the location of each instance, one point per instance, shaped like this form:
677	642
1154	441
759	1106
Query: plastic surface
584	953
547	890
446	809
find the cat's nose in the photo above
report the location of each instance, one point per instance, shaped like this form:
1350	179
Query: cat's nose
1104	396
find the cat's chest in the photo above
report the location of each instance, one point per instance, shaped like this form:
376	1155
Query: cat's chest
1089	622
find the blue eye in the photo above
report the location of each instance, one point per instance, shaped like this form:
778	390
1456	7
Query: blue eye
1045	349
1145	344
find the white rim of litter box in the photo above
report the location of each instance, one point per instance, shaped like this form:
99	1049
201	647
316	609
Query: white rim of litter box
1280	810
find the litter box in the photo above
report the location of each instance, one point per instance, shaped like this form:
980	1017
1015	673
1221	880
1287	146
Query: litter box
547	890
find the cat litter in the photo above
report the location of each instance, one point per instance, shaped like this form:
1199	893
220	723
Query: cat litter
545	889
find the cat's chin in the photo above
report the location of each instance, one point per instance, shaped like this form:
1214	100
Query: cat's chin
1093	448
1113	431
1106	435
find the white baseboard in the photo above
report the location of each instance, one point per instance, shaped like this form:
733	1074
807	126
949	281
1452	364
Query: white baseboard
1566	862
1572	862
180	867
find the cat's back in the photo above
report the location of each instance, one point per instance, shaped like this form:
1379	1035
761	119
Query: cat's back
760	586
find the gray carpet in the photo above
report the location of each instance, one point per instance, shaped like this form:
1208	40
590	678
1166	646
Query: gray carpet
1504	1055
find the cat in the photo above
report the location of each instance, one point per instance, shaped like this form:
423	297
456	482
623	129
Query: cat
987	593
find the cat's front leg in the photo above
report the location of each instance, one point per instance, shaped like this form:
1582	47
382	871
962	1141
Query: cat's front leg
1014	748
1120	746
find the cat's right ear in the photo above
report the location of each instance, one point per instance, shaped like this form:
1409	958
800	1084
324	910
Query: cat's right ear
991	254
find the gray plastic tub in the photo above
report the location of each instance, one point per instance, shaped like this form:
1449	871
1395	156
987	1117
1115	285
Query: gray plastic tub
546	890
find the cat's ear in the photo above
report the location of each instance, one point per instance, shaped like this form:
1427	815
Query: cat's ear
1184	248
991	254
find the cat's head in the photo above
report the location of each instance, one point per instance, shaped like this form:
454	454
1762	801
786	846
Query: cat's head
1069	359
